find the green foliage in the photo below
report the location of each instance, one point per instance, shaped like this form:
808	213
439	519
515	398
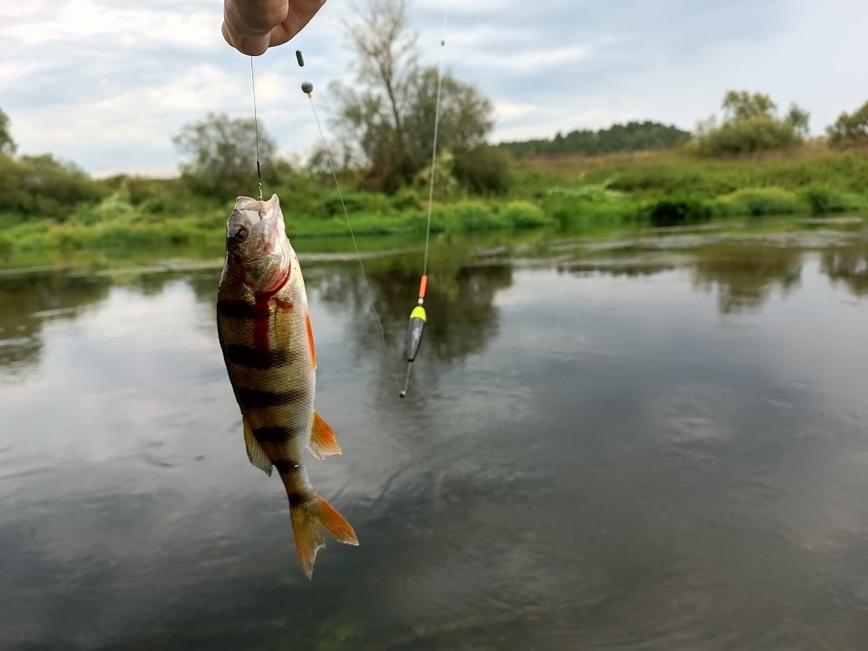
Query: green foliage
750	125
395	142
406	199
824	199
570	206
850	129
524	214
764	201
390	111
482	169
7	144
473	216
667	179
677	211
40	186
446	185
6	248
742	105
222	154
466	117
633	136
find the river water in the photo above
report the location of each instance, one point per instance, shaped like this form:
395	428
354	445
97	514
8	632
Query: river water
654	443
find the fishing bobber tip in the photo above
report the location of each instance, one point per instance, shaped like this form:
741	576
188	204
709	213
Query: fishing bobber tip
307	88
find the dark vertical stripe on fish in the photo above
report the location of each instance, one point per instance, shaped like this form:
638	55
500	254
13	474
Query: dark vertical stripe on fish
235	309
258	358
296	498
280	434
256	399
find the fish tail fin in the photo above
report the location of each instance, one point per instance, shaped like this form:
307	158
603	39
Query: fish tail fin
306	518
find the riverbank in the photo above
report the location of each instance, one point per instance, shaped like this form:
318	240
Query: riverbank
557	194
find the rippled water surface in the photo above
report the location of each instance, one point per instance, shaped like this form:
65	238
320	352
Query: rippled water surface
661	449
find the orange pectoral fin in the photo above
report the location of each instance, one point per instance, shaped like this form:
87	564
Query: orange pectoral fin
310	340
322	439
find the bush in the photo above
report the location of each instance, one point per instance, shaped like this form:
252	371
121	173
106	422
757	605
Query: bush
759	133
569	206
824	200
750	125
40	186
765	201
406	199
524	214
850	130
482	169
672	212
468	216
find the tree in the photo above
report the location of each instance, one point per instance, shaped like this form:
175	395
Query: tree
7	145
223	154
42	186
389	114
742	105
750	124
850	129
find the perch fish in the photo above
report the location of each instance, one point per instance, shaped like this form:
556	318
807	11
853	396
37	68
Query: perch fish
265	333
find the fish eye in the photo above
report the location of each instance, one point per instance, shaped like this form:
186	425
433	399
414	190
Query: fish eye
240	234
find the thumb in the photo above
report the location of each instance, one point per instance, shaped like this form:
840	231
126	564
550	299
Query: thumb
252	45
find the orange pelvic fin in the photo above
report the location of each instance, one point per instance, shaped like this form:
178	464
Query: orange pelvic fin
306	518
322	439
310	340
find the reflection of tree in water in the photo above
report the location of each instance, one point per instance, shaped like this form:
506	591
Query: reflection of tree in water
746	277
616	268
459	300
204	285
848	266
29	300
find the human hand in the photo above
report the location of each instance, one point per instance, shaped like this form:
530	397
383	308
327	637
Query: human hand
252	26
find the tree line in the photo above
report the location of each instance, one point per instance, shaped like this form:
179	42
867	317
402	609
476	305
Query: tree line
633	136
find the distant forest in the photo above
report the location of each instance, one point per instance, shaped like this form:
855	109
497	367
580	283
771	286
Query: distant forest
633	136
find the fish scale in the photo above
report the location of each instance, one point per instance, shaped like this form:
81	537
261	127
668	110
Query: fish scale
264	328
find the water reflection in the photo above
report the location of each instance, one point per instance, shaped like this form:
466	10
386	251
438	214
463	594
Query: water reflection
28	302
745	277
604	463
849	267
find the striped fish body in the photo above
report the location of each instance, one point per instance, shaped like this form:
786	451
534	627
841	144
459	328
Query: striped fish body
267	341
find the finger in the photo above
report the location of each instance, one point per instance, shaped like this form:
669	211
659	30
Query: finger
254	17
252	45
300	13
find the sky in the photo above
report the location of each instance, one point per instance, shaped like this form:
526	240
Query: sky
107	83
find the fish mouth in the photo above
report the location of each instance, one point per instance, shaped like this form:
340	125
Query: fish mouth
268	226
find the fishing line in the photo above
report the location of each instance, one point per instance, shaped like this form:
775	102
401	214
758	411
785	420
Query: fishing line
419	317
256	128
436	138
307	89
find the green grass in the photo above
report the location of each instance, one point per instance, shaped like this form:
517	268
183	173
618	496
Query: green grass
574	194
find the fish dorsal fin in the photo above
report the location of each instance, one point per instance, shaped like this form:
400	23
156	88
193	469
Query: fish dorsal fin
322	439
255	452
310	340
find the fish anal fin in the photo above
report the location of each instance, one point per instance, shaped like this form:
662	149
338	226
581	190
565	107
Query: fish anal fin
307	517
322	439
310	340
255	452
